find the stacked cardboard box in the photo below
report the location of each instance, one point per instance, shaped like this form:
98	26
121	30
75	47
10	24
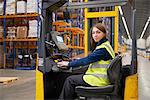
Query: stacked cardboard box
21	7
32	6
21	32
148	42
1	31
33	28
1	8
141	45
10	7
11	32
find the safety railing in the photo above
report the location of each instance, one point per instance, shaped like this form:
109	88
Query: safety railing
75	37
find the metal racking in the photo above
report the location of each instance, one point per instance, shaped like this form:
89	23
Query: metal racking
31	42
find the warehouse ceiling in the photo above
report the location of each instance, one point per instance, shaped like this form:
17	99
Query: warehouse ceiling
141	16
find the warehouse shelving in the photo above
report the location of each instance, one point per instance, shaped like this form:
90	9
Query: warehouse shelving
74	16
75	19
25	15
26	43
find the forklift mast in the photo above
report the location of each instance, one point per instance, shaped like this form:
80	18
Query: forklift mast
49	6
51	80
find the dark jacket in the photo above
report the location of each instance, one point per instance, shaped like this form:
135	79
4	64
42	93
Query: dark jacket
97	55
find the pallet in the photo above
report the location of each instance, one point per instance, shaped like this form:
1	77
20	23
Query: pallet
21	38
32	37
10	14
6	80
28	13
11	38
31	13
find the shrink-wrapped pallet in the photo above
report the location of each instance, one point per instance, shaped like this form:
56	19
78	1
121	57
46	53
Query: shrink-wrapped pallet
129	43
10	7
148	42
21	7
141	45
11	32
32	32
33	28
33	6
1	8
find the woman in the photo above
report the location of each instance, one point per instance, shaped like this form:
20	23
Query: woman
96	75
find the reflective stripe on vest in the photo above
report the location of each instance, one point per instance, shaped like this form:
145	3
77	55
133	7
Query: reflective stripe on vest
96	75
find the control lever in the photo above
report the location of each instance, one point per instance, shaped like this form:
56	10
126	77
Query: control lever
55	68
58	58
50	43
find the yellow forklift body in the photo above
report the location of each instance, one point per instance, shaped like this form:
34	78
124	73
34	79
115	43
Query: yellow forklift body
131	88
39	86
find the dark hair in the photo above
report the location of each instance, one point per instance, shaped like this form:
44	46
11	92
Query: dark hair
101	27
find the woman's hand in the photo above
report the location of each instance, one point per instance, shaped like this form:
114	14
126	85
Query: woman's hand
63	64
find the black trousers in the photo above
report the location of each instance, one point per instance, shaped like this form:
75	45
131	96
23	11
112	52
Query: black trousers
68	91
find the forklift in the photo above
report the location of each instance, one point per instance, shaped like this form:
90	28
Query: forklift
50	78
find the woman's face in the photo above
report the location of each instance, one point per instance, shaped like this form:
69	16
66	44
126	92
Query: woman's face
97	34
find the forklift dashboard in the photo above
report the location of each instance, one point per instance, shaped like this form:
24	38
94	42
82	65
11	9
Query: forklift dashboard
56	51
60	56
59	39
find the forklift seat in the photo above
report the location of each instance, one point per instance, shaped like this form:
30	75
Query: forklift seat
105	92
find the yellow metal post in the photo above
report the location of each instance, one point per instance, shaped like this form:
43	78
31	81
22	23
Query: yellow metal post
85	32
101	14
39	86
116	30
39	83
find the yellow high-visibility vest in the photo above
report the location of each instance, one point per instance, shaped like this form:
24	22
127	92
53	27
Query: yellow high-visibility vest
96	75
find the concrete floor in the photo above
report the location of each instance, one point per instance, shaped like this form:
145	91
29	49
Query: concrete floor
22	89
143	78
143	75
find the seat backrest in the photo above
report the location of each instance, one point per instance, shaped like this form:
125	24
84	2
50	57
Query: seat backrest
114	73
